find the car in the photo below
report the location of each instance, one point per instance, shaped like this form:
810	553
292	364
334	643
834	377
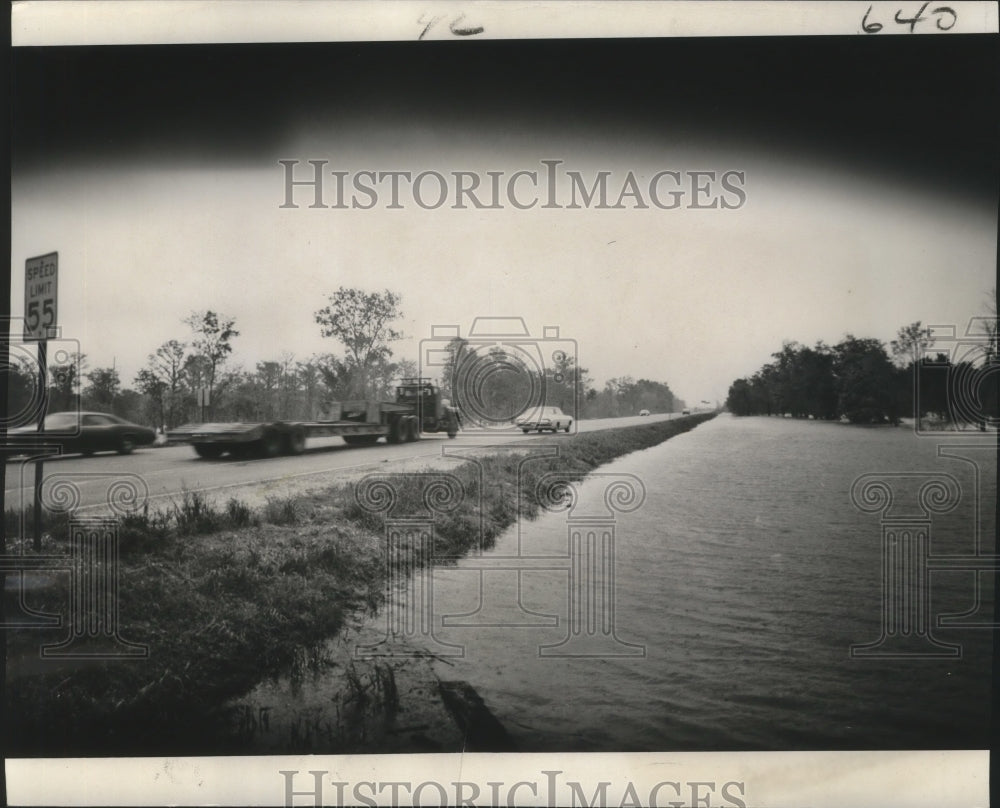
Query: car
89	432
686	412
545	419
643	412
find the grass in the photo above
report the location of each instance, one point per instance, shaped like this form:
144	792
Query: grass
217	613
227	595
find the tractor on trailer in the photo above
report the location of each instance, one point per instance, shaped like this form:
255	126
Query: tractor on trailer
419	407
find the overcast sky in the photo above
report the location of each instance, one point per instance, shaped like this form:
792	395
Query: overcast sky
163	194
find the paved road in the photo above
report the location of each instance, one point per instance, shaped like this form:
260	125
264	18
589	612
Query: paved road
168	471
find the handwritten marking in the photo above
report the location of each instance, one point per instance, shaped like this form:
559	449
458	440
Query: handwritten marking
454	25
941	14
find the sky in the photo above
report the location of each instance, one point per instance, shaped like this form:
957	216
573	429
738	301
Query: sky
870	198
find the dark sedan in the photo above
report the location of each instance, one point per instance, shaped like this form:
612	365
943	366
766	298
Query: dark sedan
89	432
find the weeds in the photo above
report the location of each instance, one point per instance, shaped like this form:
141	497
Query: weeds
239	514
195	515
20	522
282	511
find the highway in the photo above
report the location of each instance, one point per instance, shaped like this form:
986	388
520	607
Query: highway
168	471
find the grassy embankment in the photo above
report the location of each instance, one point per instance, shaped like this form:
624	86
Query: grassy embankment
227	596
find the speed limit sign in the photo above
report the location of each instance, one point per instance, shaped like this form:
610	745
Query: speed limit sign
41	285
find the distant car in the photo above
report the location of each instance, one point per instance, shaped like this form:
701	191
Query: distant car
686	412
545	418
90	432
643	412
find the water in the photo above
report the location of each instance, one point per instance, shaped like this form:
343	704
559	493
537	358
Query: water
741	582
746	575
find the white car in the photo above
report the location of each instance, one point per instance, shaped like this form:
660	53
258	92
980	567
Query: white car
643	412
545	418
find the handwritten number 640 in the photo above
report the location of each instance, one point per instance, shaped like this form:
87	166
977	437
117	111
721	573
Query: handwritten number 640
943	14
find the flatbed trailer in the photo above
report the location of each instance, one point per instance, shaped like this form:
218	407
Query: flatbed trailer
359	423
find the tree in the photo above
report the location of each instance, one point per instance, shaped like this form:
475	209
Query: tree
496	387
103	388
155	390
22	384
565	383
865	389
166	365
740	398
800	382
196	371
386	374
245	400
361	322
64	382
620	396
455	354
988	326
815	389
911	343
129	405
854	378
335	375
781	377
308	379
287	384
214	335
268	380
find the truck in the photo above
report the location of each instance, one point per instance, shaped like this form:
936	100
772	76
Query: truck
419	407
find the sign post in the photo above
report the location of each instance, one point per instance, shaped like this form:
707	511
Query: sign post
203	401
41	286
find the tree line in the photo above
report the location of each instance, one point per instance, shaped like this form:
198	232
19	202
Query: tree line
497	382
861	381
182	373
